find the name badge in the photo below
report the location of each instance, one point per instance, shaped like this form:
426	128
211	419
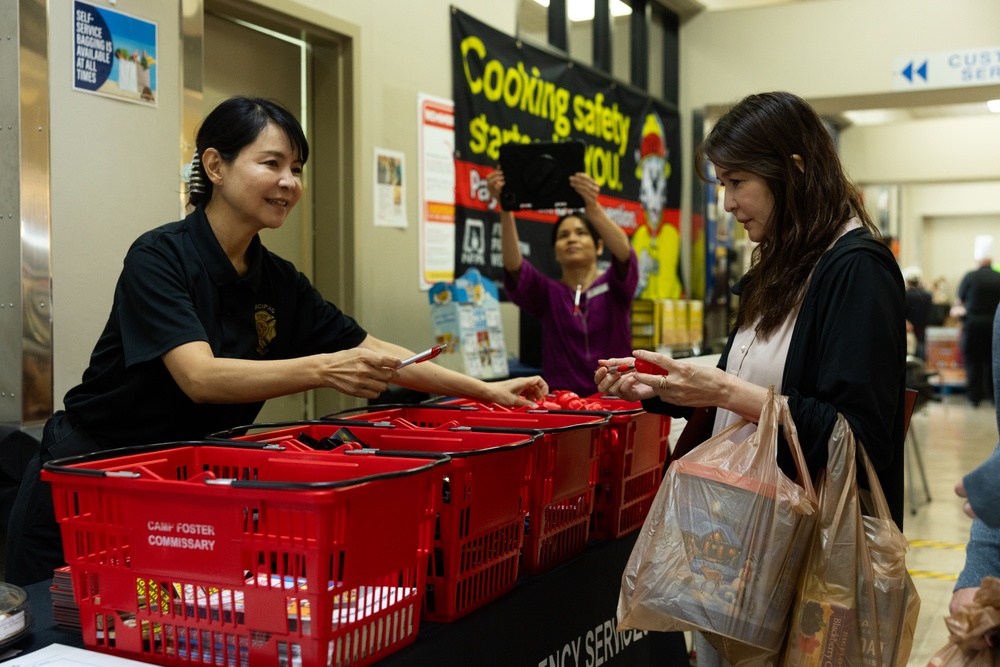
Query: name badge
597	291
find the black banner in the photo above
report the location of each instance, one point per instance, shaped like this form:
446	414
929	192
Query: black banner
508	91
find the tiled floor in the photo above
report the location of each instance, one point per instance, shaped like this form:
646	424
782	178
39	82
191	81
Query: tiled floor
952	438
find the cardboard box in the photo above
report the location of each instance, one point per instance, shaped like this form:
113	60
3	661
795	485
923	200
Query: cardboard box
696	324
942	348
466	315
726	582
643	324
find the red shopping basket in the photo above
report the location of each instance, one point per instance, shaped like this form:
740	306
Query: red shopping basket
631	466
564	475
224	553
480	527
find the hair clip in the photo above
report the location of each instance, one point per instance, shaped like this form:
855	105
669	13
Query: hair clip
192	175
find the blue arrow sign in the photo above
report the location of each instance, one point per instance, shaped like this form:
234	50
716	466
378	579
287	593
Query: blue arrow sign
947	69
908	71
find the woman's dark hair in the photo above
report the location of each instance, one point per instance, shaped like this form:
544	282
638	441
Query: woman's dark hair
759	135
586	222
235	124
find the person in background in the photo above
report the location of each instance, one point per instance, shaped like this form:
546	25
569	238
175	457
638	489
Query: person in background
940	302
585	313
207	324
918	308
977	298
982	493
821	308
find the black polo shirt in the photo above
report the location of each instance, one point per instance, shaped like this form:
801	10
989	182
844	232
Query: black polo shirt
178	286
979	292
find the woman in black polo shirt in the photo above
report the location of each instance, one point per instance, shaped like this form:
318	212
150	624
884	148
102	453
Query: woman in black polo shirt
207	324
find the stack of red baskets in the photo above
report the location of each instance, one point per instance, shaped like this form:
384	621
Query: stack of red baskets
632	460
563	477
480	526
231	553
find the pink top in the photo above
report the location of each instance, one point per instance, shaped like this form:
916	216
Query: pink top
762	362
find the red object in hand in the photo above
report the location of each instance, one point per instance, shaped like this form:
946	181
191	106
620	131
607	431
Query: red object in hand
650	368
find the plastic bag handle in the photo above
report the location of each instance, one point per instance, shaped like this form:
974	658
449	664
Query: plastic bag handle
783	416
881	505
881	512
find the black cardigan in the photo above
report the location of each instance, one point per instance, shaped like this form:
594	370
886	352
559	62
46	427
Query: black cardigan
847	354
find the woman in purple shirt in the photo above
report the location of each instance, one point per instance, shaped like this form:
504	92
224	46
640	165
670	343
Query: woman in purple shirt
584	313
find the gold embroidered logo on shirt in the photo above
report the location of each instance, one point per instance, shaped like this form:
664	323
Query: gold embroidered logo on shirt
264	319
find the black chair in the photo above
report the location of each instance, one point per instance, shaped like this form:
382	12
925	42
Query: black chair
916	398
16	449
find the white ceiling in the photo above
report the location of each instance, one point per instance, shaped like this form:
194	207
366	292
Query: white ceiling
887	116
685	8
532	15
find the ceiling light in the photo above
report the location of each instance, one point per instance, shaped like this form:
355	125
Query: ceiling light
583	10
994	106
876	116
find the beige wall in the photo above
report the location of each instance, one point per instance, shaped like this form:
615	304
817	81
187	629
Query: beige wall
114	165
839	54
114	174
831	50
403	49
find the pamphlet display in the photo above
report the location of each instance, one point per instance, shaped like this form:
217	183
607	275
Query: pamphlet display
465	316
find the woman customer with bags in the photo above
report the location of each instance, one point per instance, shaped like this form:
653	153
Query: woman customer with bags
821	309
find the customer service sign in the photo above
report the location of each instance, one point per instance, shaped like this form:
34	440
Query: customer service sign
947	69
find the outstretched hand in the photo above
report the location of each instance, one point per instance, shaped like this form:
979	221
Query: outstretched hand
518	392
359	372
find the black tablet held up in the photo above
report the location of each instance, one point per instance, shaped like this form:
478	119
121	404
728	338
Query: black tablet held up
536	175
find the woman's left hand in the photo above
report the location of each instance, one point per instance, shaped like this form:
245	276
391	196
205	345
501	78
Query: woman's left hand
586	187
517	392
684	383
612	383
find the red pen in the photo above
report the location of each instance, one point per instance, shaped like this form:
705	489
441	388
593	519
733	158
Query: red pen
642	366
429	353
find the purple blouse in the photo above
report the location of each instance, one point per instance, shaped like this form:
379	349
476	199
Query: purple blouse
573	342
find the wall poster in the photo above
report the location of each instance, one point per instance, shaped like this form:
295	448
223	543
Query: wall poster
506	90
114	54
390	189
436	176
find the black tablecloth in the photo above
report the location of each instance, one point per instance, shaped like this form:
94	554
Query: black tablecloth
563	617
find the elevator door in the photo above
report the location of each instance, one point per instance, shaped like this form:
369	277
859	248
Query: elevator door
243	59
